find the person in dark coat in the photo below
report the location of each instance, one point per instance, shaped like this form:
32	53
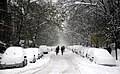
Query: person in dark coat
62	49
57	50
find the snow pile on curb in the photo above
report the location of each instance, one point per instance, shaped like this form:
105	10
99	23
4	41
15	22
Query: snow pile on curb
40	64
87	67
30	68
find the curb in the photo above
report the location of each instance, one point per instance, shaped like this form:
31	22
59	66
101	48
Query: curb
39	67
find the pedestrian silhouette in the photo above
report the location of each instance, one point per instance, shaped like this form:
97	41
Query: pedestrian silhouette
57	50
62	49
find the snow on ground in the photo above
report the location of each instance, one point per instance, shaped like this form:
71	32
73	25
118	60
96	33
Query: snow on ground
87	67
60	64
41	63
66	63
118	53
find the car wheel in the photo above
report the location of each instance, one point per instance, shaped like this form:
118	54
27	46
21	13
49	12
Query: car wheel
3	67
34	60
21	64
24	63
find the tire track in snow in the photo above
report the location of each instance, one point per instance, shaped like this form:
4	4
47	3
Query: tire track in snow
69	58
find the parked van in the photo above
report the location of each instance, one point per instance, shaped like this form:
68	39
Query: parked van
30	53
13	57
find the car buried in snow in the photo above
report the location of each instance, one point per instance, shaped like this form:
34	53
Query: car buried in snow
77	48
36	52
90	53
12	57
29	52
44	49
83	51
103	57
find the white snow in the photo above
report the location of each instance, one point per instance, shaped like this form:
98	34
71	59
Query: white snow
13	55
30	68
87	67
82	64
118	53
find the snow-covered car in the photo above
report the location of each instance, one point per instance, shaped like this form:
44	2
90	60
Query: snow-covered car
69	47
36	52
12	57
53	48
90	53
76	48
49	48
102	56
40	53
83	51
44	49
30	55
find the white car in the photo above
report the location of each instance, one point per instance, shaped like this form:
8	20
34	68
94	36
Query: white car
30	55
36	52
69	47
90	53
53	48
83	51
13	57
49	48
44	49
76	48
102	56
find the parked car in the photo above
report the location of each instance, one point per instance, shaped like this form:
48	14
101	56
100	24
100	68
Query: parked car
49	48
53	48
83	51
44	49
12	57
69	47
103	57
40	53
90	53
30	55
76	48
36	52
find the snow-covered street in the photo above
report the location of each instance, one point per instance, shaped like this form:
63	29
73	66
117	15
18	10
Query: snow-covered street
69	63
59	36
61	64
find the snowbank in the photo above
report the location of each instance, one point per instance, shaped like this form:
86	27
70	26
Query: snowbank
30	68
87	67
13	56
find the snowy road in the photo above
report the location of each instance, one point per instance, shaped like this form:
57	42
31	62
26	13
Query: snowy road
68	63
60	64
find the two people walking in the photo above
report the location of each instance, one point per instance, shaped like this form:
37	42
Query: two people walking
62	50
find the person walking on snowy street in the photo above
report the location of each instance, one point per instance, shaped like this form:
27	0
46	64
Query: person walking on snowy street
57	50
62	49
